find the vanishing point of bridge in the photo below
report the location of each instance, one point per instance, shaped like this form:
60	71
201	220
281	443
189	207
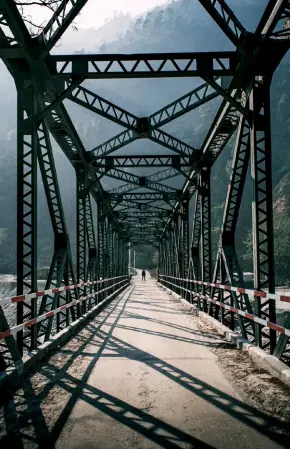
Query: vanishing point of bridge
144	210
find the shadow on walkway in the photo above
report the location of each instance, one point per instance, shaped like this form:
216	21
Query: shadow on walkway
27	427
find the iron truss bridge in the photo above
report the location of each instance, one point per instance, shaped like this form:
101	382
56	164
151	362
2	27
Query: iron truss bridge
143	209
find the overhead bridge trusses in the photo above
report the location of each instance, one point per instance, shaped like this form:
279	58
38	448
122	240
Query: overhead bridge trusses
144	207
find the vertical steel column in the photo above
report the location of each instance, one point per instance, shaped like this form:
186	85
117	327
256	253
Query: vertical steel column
262	207
119	253
110	246
26	213
81	233
185	242
106	261
59	264
116	251
206	269
92	251
110	253
126	256
174	252
101	232
226	258
194	265
179	241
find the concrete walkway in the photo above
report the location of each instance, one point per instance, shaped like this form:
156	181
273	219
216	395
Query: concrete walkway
156	384
139	376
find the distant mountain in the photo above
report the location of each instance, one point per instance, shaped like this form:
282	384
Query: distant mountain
181	25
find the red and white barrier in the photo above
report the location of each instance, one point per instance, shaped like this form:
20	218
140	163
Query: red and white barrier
15	329
27	296
263	322
252	293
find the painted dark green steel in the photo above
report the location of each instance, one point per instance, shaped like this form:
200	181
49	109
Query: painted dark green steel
142	209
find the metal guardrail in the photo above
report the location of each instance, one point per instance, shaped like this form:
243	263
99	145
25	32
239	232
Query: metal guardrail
246	315
15	329
251	293
106	287
39	293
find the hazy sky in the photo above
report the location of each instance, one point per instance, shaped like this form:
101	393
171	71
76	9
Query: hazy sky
96	11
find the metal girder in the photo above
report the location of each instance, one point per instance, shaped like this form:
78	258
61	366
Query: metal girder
142	214
227	117
195	263
125	137
223	92
101	237
113	144
138	181
93	102
262	210
143	196
143	161
61	271
163	175
26	216
182	105
275	12
227	270
226	20
144	65
143	242
131	207
205	230
62	18
12	23
124	188
183	254
81	233
238	175
58	120
41	79
168	141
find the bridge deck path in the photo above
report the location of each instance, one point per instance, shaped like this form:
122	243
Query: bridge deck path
140	375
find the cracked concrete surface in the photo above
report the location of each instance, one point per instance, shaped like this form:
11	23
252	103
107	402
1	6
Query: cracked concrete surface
140	375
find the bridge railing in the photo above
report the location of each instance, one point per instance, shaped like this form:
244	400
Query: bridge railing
103	288
204	301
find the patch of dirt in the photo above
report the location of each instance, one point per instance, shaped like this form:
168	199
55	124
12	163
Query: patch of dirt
255	386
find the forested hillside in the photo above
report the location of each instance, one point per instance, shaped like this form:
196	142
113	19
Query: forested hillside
181	25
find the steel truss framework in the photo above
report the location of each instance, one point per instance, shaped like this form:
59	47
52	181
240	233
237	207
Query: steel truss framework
144	209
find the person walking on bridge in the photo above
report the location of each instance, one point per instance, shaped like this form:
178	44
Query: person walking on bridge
143	274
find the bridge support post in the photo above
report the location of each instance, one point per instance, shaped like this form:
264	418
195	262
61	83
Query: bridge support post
26	212
226	259
205	216
194	264
61	269
81	232
184	246
262	207
92	251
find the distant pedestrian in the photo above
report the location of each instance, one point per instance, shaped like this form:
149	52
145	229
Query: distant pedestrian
143	274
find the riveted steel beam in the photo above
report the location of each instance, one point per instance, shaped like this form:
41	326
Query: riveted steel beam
226	20
144	65
62	18
143	161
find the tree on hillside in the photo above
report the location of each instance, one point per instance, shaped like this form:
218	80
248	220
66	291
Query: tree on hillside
24	7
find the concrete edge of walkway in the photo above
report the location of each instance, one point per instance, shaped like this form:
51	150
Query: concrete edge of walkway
13	375
263	360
